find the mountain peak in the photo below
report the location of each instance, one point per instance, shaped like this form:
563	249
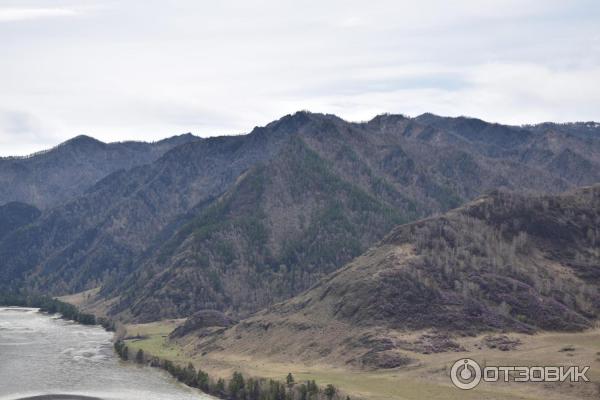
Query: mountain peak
299	121
82	140
179	139
386	118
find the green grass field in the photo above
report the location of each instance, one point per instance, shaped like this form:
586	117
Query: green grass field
155	340
427	380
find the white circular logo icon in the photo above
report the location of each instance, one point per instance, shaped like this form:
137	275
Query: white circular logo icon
465	374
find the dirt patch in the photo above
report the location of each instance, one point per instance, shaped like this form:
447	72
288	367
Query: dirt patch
384	360
431	343
203	319
501	342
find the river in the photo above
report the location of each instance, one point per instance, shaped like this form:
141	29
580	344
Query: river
44	357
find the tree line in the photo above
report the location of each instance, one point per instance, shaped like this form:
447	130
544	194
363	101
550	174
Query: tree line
53	306
237	387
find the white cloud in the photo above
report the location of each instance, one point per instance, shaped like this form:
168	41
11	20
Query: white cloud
148	69
20	14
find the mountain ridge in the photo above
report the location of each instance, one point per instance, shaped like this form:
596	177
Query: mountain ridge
52	177
116	230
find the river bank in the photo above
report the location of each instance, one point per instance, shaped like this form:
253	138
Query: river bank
52	305
46	357
237	386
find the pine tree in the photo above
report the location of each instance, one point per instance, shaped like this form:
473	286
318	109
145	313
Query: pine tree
303	392
330	391
202	381
139	357
220	387
289	380
190	376
236	385
313	389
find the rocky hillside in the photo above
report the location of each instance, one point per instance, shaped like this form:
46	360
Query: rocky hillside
237	223
53	177
504	262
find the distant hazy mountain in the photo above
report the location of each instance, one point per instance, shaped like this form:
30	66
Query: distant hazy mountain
238	223
52	177
504	262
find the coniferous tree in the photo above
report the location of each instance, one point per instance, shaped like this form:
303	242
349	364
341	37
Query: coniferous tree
253	389
203	381
190	376
303	392
220	387
289	380
236	385
139	357
313	389
330	391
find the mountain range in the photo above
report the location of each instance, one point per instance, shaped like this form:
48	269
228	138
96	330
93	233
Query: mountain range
239	223
50	178
504	262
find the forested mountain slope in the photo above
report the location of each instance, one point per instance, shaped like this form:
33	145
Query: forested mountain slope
237	223
15	215
53	177
504	262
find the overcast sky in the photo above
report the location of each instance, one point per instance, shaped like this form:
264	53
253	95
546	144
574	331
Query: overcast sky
144	70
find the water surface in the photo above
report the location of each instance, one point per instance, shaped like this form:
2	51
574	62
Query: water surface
46	358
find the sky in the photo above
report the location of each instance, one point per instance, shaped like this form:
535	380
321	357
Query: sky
145	70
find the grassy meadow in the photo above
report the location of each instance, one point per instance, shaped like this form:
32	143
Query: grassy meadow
426	379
